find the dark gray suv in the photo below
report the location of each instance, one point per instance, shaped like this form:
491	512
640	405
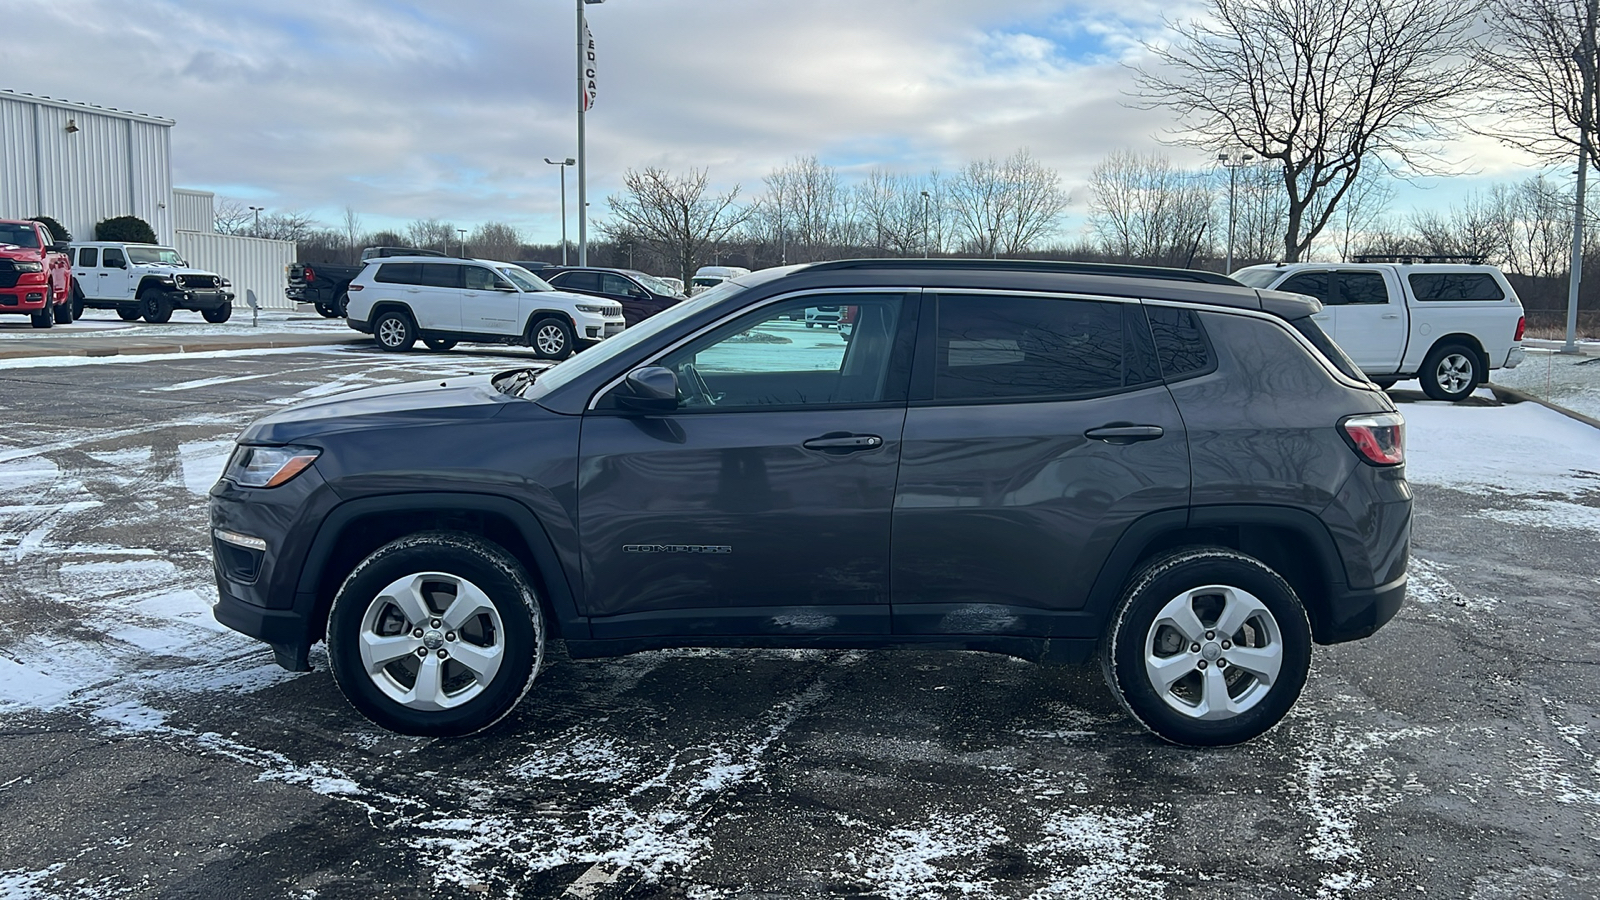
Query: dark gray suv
1162	469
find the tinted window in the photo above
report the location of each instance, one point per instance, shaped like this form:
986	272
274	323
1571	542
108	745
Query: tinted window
579	281
769	359
89	256
18	235
1256	278
445	275
1025	348
399	273
1181	343
1314	283
1456	286
1362	287
113	258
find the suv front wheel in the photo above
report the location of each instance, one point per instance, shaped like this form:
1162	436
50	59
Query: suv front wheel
1209	647
550	338
438	633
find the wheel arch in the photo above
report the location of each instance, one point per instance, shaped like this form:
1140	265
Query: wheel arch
1293	542
536	315
355	528
1467	340
383	306
153	281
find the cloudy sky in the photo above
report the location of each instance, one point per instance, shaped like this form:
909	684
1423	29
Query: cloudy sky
406	110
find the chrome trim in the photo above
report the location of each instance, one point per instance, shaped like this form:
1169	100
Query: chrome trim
239	540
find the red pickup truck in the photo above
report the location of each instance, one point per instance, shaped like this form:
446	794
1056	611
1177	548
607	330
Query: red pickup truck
35	273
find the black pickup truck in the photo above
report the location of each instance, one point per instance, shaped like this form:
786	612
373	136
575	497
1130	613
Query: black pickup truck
324	284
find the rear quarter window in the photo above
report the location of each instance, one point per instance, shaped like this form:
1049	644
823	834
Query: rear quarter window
399	273
1455	286
1181	344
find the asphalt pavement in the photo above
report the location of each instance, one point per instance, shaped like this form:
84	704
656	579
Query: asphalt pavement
146	753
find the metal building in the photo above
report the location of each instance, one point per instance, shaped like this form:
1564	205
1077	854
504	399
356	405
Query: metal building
81	164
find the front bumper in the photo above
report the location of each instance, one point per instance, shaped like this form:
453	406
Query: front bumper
591	329
22	299
204	299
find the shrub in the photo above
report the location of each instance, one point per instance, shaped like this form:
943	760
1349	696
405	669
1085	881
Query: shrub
57	230
125	228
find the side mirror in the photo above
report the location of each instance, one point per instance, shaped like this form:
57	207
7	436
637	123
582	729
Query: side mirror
61	246
649	389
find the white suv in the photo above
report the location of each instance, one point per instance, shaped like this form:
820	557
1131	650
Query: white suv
442	301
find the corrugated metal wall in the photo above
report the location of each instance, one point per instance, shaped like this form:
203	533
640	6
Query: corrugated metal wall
193	210
250	263
19	177
111	165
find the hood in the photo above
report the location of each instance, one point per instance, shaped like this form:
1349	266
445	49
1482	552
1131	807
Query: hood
391	406
575	297
12	251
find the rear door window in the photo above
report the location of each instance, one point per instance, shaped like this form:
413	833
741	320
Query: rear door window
1357	288
990	348
443	275
1455	286
580	281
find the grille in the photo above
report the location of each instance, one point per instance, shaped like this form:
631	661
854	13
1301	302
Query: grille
8	274
197	282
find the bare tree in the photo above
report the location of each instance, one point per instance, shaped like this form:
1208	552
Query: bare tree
431	234
1325	87
288	225
495	240
1005	206
1365	204
1532	58
231	216
1143	209
896	213
675	214
1261	214
806	211
352	227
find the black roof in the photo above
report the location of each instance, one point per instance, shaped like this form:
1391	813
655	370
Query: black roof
1034	265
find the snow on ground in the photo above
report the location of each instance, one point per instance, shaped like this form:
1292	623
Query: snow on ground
1569	381
104	323
1521	449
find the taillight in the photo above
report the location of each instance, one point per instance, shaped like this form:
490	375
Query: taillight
355	287
311	274
1379	438
1522	324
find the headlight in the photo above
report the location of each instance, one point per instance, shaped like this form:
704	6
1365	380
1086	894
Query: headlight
268	467
224	282
29	266
584	307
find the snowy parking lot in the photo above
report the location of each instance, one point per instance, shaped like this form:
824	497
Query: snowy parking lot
147	752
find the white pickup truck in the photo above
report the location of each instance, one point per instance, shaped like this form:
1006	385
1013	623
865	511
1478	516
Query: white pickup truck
1447	325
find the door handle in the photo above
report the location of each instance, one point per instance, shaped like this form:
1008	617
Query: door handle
1392	316
844	443
1322	318
1124	434
413	290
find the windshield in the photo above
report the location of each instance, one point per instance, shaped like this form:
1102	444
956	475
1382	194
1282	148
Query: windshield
155	256
524	279
1258	277
631	337
655	284
18	235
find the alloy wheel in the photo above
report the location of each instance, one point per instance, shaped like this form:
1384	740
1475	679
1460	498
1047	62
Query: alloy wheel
550	340
1213	652
432	641
391	332
1454	373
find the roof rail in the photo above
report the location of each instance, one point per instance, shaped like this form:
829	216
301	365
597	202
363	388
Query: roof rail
1117	270
1408	259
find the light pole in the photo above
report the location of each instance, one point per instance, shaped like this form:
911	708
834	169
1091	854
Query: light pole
255	229
1232	162
586	75
563	163
925	199
1584	55
463	233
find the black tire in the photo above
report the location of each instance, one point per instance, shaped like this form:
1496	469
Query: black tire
393	331
77	301
438	345
61	311
1451	372
326	311
1173	713
218	314
551	338
155	306
128	313
342	304
44	318
362	606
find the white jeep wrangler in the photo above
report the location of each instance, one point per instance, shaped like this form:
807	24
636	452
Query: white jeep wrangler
145	280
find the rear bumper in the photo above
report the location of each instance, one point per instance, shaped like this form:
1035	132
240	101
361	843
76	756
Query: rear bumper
1355	614
1514	358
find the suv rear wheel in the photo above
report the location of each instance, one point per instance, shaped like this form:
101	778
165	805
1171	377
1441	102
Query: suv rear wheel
393	330
438	633
1209	647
